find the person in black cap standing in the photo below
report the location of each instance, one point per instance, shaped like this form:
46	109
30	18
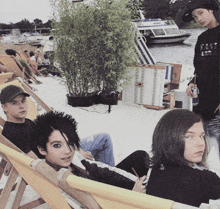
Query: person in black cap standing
206	59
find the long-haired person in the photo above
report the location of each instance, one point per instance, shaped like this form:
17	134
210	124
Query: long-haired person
206	59
178	160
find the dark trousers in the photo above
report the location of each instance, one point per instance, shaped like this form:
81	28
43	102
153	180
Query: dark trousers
139	160
206	108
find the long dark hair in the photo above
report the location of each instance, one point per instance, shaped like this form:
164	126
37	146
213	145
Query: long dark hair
216	15
168	138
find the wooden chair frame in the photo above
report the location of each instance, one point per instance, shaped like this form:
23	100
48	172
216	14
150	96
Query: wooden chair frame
21	165
95	195
5	165
23	56
6	77
13	65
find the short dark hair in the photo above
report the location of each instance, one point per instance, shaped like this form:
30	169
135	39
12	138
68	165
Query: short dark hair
168	138
11	52
31	53
48	122
216	15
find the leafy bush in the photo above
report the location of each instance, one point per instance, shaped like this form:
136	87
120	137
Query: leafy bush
94	43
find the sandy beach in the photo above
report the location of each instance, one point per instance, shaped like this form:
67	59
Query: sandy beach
129	125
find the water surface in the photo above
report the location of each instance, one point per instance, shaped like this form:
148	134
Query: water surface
177	53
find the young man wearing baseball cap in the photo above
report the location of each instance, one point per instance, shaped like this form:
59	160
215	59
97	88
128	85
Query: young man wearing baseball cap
17	128
206	59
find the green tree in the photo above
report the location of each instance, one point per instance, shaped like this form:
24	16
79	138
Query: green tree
94	44
178	9
48	24
134	6
6	26
156	8
38	22
24	24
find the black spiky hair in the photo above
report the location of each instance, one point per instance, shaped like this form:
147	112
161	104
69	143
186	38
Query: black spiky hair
48	122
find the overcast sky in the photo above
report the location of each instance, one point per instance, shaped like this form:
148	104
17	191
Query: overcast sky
17	10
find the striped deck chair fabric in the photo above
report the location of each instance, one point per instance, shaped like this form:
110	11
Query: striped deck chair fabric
143	53
145	57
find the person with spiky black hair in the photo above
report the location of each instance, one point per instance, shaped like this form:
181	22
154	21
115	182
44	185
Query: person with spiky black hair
18	129
55	136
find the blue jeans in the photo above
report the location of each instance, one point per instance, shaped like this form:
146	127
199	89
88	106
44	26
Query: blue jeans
100	146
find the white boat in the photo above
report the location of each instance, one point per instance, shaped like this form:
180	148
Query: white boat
157	31
14	37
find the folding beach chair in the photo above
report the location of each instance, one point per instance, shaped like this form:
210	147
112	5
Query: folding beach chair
23	57
5	166
10	63
95	195
6	77
13	65
22	165
11	186
144	55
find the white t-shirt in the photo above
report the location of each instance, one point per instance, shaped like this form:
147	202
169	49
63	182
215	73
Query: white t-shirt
39	61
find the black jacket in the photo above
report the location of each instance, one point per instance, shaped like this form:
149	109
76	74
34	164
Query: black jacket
184	184
103	175
206	63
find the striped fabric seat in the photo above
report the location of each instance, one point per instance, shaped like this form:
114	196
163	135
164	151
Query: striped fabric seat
169	73
144	57
143	53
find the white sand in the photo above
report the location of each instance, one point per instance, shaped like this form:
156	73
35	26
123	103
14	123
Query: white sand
129	125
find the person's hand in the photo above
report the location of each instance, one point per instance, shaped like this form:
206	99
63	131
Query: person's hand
218	108
138	187
189	90
86	155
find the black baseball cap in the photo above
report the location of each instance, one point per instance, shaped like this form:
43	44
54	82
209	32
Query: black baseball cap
10	92
195	4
